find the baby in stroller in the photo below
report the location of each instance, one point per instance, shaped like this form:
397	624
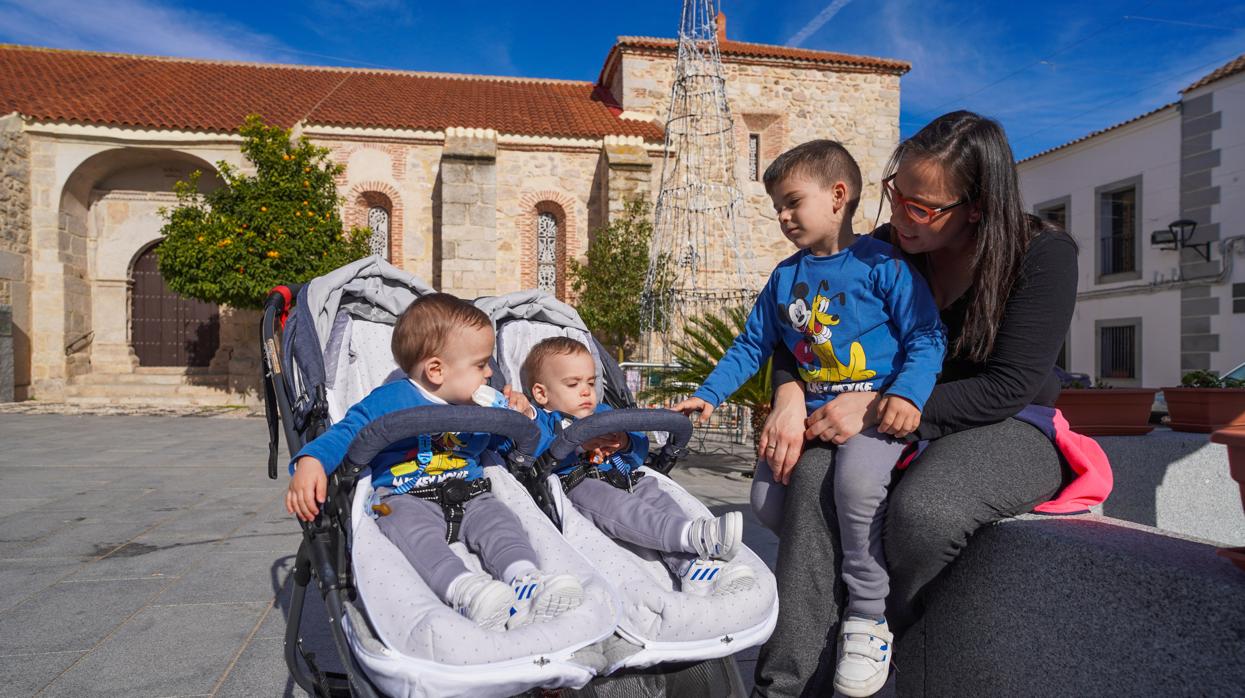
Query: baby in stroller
431	489
604	483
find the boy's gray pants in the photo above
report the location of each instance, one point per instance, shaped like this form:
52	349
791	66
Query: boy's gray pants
489	529
862	472
646	516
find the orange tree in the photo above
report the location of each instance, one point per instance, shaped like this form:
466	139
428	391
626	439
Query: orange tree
279	225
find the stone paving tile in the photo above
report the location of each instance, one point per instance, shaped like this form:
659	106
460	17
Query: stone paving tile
26	674
163	651
260	671
21	578
15	505
72	615
224	576
152	555
84	540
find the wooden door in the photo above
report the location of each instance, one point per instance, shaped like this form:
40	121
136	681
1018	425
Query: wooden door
168	329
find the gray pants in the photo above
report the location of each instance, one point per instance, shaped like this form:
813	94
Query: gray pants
646	516
489	529
961	482
862	471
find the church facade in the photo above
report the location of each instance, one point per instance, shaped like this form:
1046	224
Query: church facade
479	185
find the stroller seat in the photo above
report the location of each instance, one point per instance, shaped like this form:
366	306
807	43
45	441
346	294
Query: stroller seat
659	622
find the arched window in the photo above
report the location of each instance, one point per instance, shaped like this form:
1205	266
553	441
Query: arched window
547	252
378	221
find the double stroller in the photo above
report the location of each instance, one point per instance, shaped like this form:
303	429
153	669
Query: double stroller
326	345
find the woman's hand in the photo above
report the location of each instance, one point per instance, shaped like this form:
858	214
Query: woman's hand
843	417
782	436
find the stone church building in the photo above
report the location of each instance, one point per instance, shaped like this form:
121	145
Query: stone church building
477	184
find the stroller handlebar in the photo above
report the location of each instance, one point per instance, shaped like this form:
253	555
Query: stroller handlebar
676	425
436	419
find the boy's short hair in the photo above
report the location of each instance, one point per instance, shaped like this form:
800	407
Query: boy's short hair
543	351
424	328
824	160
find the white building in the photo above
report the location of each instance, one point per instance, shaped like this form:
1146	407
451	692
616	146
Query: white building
1146	311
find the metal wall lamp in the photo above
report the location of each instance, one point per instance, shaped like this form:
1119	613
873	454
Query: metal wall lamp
1177	237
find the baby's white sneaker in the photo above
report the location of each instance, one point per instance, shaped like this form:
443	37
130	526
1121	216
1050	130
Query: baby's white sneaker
717	578
864	656
717	538
541	597
484	600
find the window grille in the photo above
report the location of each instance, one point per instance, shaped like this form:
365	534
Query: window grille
1118	351
547	252
1119	231
754	157
378	221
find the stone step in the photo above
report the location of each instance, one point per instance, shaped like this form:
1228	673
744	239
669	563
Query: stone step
141	390
222	400
198	379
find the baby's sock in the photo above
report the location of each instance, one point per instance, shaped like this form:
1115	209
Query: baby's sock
518	569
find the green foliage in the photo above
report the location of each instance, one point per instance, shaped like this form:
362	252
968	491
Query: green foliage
1206	379
280	225
610	285
705	339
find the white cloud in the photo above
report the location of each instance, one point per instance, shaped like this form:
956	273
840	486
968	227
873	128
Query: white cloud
133	26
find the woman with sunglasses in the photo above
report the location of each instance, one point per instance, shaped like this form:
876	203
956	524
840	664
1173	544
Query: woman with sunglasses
1005	284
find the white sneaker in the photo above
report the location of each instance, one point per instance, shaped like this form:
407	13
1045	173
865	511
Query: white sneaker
539	598
864	657
716	578
484	600
717	538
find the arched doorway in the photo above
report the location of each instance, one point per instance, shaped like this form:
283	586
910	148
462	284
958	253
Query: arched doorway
169	329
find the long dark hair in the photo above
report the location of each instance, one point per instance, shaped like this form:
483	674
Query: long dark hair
974	152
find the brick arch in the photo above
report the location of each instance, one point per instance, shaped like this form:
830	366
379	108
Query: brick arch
563	207
365	195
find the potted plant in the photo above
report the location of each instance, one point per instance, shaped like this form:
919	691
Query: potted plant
704	340
1099	409
1204	402
1234	439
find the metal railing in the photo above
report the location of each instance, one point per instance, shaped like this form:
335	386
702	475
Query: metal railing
730	425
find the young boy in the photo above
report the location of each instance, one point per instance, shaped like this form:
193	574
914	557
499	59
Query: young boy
604	486
857	319
443	344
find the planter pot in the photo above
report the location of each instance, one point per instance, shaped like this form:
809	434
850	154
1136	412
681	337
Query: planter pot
1107	412
1204	410
1234	439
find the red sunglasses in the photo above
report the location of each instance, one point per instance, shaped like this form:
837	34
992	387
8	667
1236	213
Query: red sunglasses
918	213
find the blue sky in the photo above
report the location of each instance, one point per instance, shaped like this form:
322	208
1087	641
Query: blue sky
1049	71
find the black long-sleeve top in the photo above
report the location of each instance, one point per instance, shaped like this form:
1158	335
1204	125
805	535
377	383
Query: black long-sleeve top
1020	369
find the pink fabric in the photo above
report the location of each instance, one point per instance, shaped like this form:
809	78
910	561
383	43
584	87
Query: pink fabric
1092	468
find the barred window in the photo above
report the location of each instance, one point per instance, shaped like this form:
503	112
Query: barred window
1118	231
547	252
378	221
754	157
1119	357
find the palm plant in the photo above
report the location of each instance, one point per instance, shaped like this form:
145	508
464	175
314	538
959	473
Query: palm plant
704	340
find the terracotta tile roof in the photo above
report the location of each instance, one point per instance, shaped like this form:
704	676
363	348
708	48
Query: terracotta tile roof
199	95
1099	132
1231	68
730	47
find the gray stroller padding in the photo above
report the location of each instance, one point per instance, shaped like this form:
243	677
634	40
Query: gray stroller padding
544	317
668	624
432	651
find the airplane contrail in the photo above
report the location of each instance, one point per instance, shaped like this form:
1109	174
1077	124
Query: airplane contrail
817	22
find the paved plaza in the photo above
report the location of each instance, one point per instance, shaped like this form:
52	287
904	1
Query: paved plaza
149	555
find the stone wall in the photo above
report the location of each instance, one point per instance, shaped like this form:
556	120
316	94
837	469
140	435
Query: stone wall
15	205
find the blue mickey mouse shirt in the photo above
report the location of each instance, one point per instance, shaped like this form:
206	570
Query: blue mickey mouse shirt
414	462
626	460
857	320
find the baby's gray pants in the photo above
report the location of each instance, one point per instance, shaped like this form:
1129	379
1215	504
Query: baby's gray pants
646	516
862	471
489	529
